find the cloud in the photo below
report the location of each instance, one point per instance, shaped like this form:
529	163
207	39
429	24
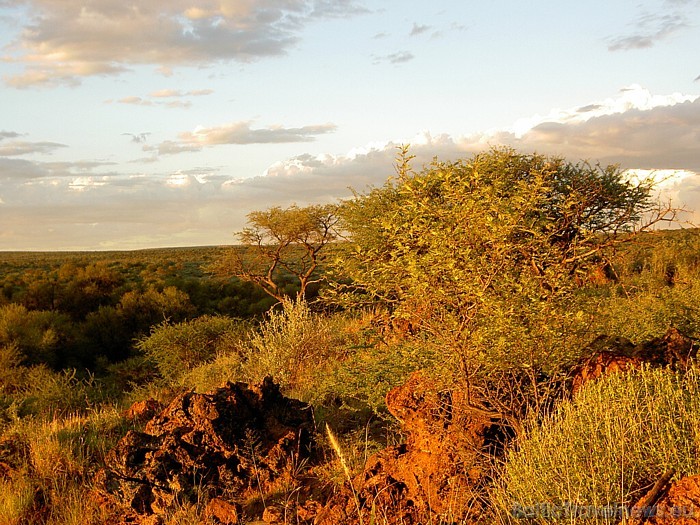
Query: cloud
16	148
200	92
136	101
242	133
419	29
19	169
9	135
653	133
649	29
138	138
170	147
176	93
88	206
68	40
161	98
238	133
395	58
636	129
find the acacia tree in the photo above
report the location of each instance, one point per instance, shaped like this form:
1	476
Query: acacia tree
281	241
480	255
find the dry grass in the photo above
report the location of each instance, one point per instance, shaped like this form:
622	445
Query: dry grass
618	436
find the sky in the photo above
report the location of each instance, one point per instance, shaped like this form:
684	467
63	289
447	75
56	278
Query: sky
150	123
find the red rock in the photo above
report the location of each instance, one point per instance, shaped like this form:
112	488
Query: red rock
143	410
610	355
680	505
237	441
430	475
222	512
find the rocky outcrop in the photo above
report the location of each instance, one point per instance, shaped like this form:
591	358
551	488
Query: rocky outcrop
615	354
427	479
680	505
224	446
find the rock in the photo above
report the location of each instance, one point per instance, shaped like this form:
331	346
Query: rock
222	512
233	443
142	411
308	510
673	348
427	478
273	514
609	355
680	505
600	364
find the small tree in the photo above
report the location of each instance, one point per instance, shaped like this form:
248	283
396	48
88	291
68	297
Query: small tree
282	241
480	255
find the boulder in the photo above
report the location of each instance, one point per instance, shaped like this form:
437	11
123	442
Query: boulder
142	411
676	503
427	479
232	444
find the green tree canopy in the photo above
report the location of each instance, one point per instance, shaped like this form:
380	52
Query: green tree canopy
283	242
477	250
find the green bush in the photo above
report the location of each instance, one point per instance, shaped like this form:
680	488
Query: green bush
209	376
50	394
179	348
650	313
293	345
607	445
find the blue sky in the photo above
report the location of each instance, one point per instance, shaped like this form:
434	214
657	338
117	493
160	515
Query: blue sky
162	123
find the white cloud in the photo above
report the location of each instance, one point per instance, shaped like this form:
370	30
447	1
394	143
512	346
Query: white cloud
71	39
242	133
136	101
176	93
87	206
651	27
15	148
238	133
162	98
399	57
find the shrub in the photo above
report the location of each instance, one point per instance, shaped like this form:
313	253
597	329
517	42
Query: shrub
651	307
50	394
293	345
607	445
209	376
178	348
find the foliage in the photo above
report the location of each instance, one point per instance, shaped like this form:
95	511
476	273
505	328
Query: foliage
616	438
283	240
369	371
655	285
178	348
92	306
459	234
482	254
292	345
212	375
37	335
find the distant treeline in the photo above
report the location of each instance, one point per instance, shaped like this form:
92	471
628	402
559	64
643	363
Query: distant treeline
85	310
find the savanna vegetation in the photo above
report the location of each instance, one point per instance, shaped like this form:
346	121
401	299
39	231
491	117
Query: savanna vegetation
492	274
